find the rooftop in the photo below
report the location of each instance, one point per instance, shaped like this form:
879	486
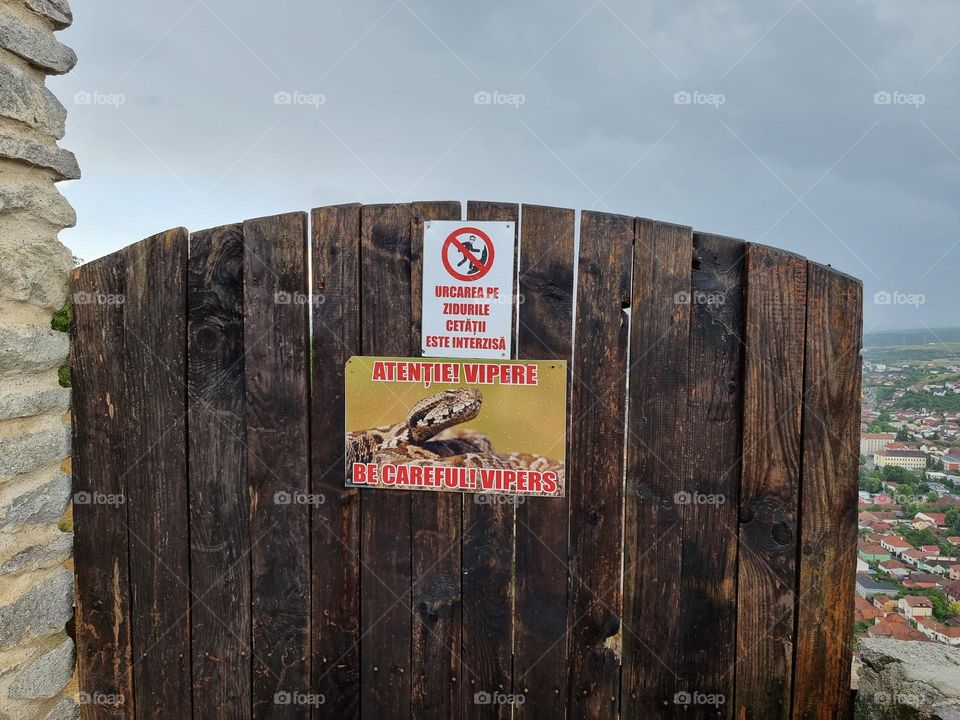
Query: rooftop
902	453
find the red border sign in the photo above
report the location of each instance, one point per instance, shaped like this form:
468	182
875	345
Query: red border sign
482	268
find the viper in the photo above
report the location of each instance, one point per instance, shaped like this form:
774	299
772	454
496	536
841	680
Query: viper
428	436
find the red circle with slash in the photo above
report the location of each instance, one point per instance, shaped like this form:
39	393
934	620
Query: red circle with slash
482	267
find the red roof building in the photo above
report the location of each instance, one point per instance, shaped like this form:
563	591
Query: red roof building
922	581
895	627
864	610
938	519
947	634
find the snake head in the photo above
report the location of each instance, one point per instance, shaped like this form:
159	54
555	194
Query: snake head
441	411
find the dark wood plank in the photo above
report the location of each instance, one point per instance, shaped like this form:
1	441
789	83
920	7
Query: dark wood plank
219	504
335	233
385	576
770	480
488	534
275	368
545	331
658	475
708	586
828	517
155	326
100	529
437	685
595	469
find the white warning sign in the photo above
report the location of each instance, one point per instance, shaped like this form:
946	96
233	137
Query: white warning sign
467	288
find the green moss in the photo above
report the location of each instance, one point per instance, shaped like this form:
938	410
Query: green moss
63	376
61	319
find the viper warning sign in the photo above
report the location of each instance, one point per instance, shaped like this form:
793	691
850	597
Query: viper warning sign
493	427
467	288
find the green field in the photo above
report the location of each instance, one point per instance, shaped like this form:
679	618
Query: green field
920	352
935	354
915	400
901	338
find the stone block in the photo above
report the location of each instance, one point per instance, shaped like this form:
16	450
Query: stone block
65	709
33	269
43	155
29	348
42	504
56	11
45	676
26	395
46	443
908	679
35	44
22	98
43	202
42	610
35	557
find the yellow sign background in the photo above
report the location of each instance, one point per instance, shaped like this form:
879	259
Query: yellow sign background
516	418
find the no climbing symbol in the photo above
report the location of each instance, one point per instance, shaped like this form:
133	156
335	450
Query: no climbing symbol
467	254
467	301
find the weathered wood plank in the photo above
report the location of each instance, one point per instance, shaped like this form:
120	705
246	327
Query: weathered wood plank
595	470
658	478
335	238
488	535
545	331
770	480
437	685
828	517
100	529
275	347
708	586
219	504
744	379
385	576
155	326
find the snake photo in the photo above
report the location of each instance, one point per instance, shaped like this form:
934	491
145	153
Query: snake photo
428	436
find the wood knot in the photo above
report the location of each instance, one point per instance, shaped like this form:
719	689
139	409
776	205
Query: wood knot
612	626
781	533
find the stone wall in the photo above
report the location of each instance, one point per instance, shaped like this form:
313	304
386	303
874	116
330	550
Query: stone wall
37	657
902	680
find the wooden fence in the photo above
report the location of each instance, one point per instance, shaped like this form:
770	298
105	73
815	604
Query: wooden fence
701	565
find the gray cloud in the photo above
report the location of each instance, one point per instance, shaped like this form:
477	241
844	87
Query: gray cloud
200	139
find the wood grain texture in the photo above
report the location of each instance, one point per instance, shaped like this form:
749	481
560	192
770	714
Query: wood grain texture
385	576
335	537
770	480
488	534
277	417
595	470
100	529
828	518
436	685
658	479
223	587
545	332
708	585
219	504
155	326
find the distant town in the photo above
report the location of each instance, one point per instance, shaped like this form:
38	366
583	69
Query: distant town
908	550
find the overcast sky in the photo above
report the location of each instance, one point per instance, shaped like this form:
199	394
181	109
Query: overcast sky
830	129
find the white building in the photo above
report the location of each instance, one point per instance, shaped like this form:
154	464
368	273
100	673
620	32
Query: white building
871	443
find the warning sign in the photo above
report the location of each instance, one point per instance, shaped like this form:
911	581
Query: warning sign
489	427
467	289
